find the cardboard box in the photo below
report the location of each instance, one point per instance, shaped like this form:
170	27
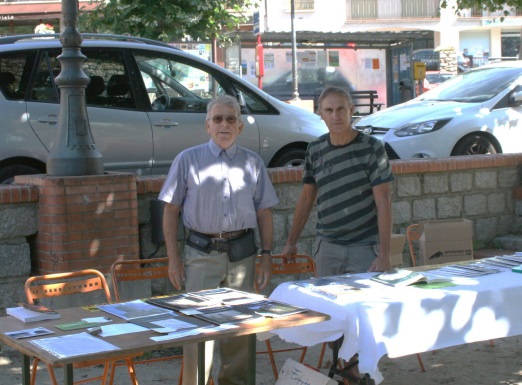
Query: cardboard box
396	248
294	373
445	241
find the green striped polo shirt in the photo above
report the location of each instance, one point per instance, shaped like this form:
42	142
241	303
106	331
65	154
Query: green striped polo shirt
345	176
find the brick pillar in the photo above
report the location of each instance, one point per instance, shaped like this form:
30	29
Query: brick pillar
84	221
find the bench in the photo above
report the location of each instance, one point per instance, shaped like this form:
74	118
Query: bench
366	99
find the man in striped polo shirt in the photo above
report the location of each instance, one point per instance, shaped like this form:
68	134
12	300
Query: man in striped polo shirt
348	175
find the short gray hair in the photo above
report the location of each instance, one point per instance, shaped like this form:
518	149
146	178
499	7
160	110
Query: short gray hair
227	100
335	90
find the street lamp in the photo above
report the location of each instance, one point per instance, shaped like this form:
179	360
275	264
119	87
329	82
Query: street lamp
73	152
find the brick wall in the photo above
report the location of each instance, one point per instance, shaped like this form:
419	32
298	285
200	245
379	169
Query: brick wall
84	222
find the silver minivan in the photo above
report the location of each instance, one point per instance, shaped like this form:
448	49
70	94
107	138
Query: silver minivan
146	102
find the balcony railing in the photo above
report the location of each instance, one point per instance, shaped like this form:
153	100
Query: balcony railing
300	5
391	9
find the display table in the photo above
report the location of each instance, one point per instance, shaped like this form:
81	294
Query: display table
139	342
381	320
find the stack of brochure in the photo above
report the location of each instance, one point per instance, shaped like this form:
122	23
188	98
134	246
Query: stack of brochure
483	266
224	305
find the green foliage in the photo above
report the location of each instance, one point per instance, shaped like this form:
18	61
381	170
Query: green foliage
167	20
488	5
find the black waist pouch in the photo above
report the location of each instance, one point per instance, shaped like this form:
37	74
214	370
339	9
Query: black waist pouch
199	242
241	248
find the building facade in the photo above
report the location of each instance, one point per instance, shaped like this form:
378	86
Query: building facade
23	16
477	32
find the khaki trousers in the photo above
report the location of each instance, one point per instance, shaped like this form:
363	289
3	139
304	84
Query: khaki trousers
210	271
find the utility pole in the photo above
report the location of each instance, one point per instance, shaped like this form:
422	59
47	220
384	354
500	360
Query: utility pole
295	94
73	152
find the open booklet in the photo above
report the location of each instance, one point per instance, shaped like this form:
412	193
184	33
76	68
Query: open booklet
331	286
402	277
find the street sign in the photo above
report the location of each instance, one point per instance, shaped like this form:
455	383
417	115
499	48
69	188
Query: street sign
258	24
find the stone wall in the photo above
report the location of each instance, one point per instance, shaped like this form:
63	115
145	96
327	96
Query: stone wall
483	189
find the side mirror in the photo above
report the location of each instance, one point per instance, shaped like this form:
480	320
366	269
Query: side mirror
515	99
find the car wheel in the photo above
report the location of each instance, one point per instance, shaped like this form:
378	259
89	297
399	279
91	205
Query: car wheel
8	173
474	145
291	157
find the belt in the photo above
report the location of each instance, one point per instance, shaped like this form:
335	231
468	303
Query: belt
226	235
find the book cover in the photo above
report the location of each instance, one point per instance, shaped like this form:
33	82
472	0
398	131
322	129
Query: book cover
27	315
28	333
402	277
133	309
271	308
223	314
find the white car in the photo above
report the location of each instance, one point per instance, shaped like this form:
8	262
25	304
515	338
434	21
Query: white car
477	112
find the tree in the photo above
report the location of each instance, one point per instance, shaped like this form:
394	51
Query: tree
487	5
167	20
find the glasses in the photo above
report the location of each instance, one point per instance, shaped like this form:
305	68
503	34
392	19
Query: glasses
218	119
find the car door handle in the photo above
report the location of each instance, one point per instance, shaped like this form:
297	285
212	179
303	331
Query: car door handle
166	123
50	119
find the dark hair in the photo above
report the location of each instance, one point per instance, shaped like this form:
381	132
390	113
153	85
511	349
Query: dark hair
335	90
227	100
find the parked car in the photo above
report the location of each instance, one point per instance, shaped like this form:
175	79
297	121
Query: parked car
433	79
476	112
432	60
146	102
310	83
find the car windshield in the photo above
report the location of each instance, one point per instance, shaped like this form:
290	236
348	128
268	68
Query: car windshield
438	78
475	86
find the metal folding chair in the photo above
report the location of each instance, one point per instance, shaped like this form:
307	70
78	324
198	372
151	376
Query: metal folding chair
77	282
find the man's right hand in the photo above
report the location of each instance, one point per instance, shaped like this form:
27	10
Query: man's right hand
176	272
289	250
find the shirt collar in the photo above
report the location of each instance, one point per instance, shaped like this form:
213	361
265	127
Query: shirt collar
216	150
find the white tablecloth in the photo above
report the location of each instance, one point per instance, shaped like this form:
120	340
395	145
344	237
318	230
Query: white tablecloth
380	320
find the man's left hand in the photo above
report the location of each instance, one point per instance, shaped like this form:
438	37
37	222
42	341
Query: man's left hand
264	272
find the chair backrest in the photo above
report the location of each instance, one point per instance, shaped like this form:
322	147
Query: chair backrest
413	235
61	284
137	270
295	265
7	83
118	86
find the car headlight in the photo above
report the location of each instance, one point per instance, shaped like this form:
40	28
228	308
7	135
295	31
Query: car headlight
421	128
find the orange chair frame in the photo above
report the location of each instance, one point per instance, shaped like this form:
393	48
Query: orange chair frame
61	284
142	270
281	265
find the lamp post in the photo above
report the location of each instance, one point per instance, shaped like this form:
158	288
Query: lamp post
73	151
295	94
